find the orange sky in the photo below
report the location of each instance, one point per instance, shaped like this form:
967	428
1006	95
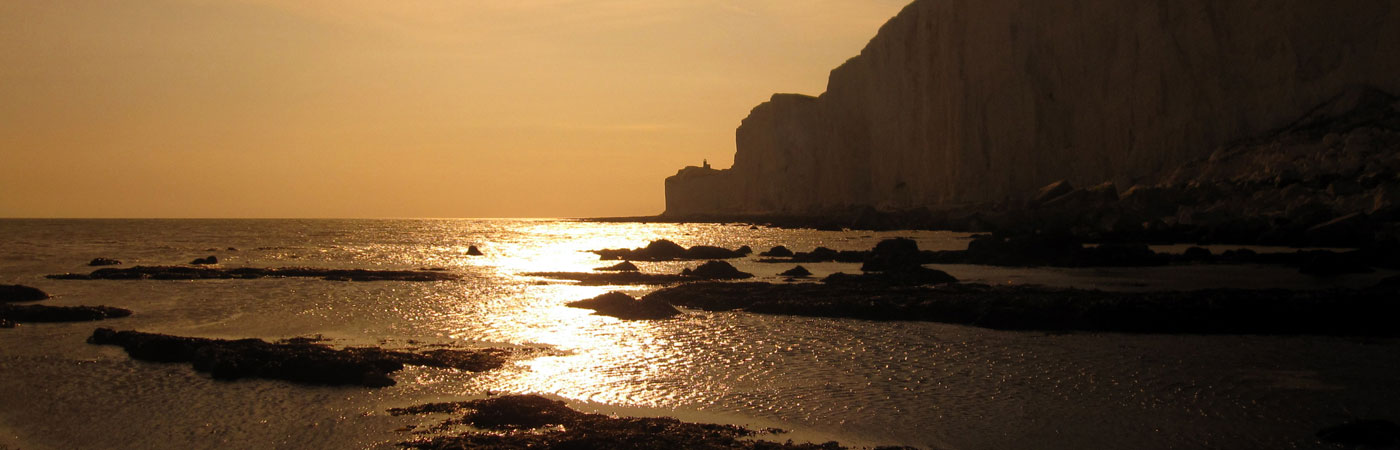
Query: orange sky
368	108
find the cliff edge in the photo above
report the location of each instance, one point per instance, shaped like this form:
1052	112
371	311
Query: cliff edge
969	101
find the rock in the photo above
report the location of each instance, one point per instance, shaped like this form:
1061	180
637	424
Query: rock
43	313
893	254
907	276
20	293
1052	191
103	262
625	266
1343	188
623	306
296	361
744	250
797	272
777	252
1363	434
716	270
1197	254
664	250
1326	264
1106	192
202	273
473	251
205	261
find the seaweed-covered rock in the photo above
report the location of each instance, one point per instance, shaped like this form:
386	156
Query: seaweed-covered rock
20	293
473	251
625	266
716	270
211	259
103	262
623	306
296	361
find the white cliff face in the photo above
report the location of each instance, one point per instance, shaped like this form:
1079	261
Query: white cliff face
960	101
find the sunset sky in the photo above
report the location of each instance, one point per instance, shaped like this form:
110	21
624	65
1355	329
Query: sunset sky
368	108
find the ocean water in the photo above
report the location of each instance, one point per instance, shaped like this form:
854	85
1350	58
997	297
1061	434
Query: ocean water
927	385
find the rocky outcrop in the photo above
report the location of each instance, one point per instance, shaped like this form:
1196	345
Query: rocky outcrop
104	262
295	360
20	293
958	101
623	306
248	273
664	250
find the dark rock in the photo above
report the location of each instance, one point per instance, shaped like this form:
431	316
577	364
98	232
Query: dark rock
623	306
206	261
777	252
20	293
744	250
1336	312
625	266
42	313
1052	191
716	270
296	361
103	262
893	254
204	273
473	251
664	250
1197	254
907	276
1363	433
534	422
614	278
1326	264
797	272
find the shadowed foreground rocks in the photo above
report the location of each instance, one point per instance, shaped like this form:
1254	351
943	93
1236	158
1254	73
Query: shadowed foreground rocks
623	306
534	422
1340	312
206	273
20	293
298	361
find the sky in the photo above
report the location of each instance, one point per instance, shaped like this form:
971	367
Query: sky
371	108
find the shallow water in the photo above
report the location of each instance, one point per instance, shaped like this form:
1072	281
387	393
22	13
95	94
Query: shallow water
865	383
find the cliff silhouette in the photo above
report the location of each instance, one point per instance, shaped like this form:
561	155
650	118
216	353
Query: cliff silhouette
960	102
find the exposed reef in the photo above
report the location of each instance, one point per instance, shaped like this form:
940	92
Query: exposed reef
1342	312
664	250
20	293
104	262
203	273
13	314
623	306
534	422
297	361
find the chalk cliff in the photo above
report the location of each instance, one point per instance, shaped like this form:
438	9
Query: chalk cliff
959	101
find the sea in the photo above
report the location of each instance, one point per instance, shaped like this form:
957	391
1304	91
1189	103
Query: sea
862	383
